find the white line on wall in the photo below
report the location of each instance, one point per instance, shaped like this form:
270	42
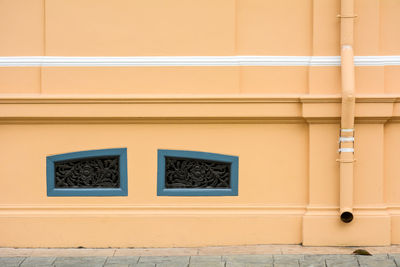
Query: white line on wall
195	61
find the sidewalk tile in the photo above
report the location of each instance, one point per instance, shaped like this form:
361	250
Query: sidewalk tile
241	264
173	264
284	257
80	261
286	263
38	261
164	259
374	257
338	262
11	261
207	264
201	259
122	260
265	259
370	262
312	263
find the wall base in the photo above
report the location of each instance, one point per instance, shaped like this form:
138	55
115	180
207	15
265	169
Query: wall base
186	230
329	230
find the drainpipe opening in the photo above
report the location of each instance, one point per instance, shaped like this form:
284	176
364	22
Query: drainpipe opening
346	217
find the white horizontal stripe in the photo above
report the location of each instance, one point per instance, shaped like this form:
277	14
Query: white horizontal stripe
346	150
346	139
347	130
196	61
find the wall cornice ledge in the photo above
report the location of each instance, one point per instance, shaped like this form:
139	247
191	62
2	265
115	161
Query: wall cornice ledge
234	108
182	98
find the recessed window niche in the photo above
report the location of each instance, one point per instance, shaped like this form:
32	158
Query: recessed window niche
192	173
88	173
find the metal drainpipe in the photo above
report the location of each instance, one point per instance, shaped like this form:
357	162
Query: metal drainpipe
346	139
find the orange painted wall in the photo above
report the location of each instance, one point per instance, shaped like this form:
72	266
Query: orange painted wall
281	121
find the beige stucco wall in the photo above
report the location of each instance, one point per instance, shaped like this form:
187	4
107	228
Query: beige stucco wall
281	121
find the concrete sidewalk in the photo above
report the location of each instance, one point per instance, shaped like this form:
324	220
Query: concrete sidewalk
235	256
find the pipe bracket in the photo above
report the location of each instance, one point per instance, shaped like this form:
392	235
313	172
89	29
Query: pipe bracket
346	16
346	160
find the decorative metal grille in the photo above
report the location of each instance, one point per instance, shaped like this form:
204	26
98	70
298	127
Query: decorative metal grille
196	173
94	172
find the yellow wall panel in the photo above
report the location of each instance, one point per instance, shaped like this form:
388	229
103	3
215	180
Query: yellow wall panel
139	28
262	180
324	80
390	21
370	80
367	27
368	169
326	28
19	80
274	80
269	27
392	166
143	80
21	28
392	79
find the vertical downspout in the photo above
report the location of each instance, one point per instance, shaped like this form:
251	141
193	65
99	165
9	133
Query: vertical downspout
346	140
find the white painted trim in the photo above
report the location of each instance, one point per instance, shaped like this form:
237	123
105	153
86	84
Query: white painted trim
346	139
346	149
195	61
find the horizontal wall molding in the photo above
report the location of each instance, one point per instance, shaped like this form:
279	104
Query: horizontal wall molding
191	99
200	109
56	61
90	210
118	210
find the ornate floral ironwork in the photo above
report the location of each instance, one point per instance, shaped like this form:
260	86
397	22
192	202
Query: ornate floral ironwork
95	172
196	173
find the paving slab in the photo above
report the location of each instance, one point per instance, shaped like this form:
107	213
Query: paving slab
264	259
395	257
118	265
142	265
38	261
241	264
330	256
288	257
164	259
80	261
173	264
11	261
377	262
122	260
286	263
201	259
312	263
341	262
207	264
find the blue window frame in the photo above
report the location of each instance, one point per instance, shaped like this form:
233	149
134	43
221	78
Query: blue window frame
163	190
122	190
